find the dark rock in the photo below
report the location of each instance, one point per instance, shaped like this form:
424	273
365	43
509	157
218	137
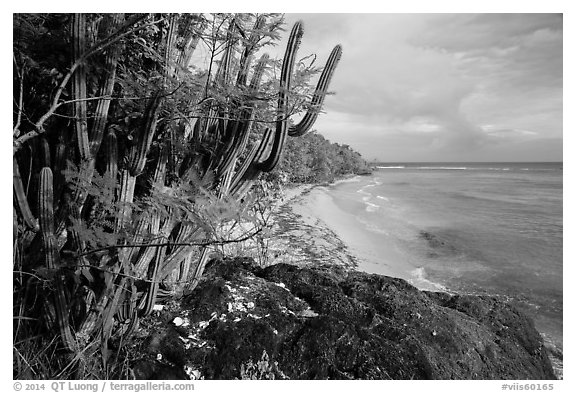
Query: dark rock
328	322
154	370
438	244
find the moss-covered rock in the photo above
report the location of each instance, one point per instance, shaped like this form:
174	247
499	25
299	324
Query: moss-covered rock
329	322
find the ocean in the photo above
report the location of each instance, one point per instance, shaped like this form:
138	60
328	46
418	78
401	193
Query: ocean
477	228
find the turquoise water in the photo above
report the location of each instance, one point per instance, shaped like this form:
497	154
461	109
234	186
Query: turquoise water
476	228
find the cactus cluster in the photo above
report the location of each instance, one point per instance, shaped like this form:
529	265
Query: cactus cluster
121	284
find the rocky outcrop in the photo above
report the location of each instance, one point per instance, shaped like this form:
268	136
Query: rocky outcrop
329	322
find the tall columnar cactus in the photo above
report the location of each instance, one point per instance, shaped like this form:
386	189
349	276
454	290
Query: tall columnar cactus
121	282
242	126
140	150
52	256
191	40
149	298
105	89
59	164
318	99
283	113
112	156
79	85
20	198
249	172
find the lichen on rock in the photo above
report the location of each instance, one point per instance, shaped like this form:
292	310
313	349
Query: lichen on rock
331	322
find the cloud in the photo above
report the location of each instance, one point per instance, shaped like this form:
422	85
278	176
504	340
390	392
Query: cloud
452	74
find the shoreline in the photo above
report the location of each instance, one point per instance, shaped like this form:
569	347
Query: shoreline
307	231
300	239
293	238
311	207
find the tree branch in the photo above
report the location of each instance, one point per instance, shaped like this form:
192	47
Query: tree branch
113	38
16	130
147	245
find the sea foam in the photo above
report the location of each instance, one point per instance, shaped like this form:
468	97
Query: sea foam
420	281
371	207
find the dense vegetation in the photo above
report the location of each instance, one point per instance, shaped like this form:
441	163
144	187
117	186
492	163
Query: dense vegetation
314	159
131	152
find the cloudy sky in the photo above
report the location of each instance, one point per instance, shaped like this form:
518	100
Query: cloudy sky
442	87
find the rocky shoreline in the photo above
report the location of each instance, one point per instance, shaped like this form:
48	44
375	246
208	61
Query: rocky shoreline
312	315
332	322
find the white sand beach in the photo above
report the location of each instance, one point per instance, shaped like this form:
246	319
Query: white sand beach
372	252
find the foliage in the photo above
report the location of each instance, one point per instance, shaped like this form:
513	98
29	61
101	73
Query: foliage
131	154
313	159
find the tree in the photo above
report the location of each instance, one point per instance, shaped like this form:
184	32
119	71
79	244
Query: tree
313	159
127	157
